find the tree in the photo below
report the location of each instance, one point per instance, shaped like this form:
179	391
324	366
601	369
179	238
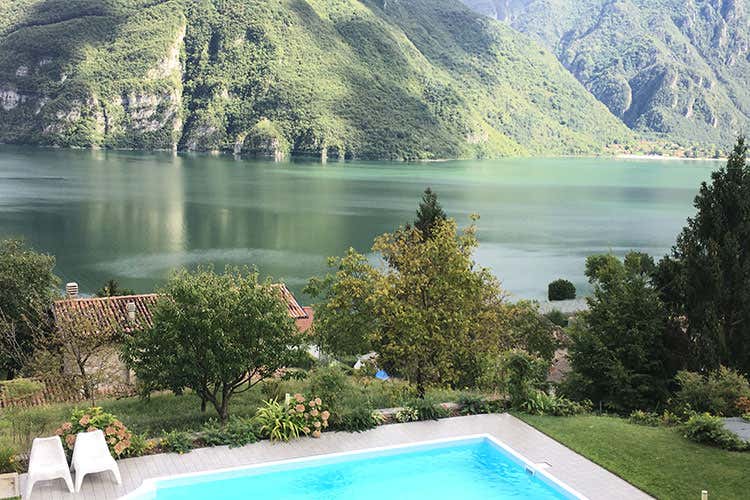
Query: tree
561	290
27	287
435	307
344	321
705	279
217	334
87	345
429	213
619	349
112	289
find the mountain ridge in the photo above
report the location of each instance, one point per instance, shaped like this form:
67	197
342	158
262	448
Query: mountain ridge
674	68
425	79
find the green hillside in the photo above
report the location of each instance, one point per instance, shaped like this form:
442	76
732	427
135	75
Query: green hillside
342	78
672	67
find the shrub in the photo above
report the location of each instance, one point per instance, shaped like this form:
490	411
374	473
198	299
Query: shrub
473	405
140	445
177	442
476	405
428	410
561	290
332	385
407	414
708	429
116	434
8	460
718	393
746	417
237	432
21	388
640	417
278	422
670	419
564	407
359	419
541	403
557	317
515	372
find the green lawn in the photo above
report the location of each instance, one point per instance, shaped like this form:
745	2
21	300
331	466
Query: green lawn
657	460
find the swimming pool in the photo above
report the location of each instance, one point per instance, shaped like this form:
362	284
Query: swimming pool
469	468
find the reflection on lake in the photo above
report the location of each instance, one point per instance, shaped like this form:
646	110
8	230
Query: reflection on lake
135	216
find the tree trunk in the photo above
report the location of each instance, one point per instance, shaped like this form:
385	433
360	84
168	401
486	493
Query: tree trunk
420	384
203	405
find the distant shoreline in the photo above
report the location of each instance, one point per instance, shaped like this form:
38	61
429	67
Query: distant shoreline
664	157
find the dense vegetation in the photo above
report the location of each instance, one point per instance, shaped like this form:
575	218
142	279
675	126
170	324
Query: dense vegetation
343	78
668	66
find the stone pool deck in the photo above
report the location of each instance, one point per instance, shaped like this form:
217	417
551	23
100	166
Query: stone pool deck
564	464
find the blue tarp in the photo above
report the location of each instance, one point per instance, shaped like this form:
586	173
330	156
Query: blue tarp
382	375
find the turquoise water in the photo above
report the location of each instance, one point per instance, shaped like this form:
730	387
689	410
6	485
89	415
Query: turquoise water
136	216
467	470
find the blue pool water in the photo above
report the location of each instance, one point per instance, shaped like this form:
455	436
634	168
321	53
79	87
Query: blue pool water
468	469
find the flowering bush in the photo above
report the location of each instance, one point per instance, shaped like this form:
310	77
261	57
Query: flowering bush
115	433
314	418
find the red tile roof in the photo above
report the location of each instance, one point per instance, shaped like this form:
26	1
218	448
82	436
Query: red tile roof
111	312
295	310
108	312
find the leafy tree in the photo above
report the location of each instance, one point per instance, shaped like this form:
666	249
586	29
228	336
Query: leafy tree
619	350
530	330
435	307
705	279
112	288
561	290
27	287
217	334
429	213
431	314
344	320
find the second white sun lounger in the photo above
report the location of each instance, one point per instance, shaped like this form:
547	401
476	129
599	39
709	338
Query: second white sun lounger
91	455
47	461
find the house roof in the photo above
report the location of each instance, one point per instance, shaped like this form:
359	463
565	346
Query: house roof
107	312
112	312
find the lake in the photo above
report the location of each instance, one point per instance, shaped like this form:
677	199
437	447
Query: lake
136	216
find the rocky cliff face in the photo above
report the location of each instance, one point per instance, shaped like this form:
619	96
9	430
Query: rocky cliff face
92	74
343	78
675	67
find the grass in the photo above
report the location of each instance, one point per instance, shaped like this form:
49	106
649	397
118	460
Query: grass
658	460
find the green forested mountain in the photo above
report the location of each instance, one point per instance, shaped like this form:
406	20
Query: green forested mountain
676	67
355	78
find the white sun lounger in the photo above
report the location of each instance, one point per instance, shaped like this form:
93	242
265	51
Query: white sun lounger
91	455
47	461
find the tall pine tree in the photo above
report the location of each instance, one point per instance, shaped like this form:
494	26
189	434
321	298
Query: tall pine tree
429	213
706	280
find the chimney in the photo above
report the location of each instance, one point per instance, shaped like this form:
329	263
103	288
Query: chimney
72	290
130	306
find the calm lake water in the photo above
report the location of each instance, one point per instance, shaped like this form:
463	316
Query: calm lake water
134	216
